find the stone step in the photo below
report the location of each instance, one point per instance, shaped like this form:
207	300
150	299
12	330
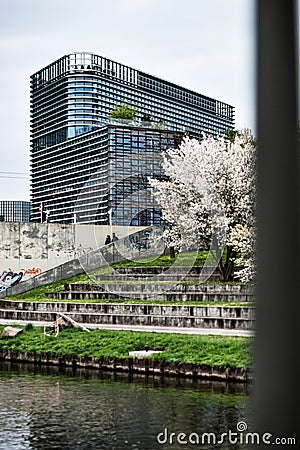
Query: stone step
184	292
247	312
160	287
158	277
172	270
165	296
136	319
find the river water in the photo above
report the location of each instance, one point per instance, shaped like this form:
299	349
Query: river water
53	409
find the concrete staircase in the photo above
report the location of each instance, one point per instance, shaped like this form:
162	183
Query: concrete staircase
154	283
169	292
173	273
109	301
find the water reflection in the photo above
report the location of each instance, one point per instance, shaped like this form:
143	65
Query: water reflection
49	409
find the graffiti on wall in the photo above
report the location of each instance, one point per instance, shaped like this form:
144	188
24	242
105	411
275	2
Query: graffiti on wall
145	240
9	278
31	272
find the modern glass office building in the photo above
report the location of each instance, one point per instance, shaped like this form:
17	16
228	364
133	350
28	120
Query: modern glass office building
73	141
102	174
14	211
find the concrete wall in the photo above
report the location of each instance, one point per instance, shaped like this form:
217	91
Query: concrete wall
143	243
37	247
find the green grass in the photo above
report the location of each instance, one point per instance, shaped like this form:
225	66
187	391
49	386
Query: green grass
186	259
217	351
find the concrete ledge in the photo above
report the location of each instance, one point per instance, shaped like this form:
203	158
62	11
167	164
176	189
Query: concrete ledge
131	309
172	270
154	287
177	277
119	318
143	353
168	296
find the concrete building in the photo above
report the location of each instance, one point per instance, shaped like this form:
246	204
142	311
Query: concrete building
84	166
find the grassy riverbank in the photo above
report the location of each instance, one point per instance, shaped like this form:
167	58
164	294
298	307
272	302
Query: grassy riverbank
213	351
216	351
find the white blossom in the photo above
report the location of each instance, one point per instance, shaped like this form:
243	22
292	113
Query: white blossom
210	194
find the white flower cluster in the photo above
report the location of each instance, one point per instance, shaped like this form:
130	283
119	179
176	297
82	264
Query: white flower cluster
242	240
210	195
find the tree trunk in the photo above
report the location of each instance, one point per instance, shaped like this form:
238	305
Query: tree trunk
226	268
172	253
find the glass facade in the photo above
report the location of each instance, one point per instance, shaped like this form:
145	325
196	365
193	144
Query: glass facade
14	211
106	170
74	142
134	157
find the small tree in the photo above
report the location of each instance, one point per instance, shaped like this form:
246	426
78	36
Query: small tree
123	111
210	196
232	135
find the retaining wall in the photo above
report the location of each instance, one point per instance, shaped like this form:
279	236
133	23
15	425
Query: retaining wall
232	317
133	365
36	247
143	243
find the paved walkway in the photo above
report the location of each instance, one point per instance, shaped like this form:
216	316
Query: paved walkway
145	328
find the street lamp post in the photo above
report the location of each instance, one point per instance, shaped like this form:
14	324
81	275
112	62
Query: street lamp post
110	221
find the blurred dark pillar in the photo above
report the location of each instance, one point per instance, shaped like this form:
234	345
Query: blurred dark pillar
277	345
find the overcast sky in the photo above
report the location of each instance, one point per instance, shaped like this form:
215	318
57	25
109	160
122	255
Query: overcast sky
204	45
